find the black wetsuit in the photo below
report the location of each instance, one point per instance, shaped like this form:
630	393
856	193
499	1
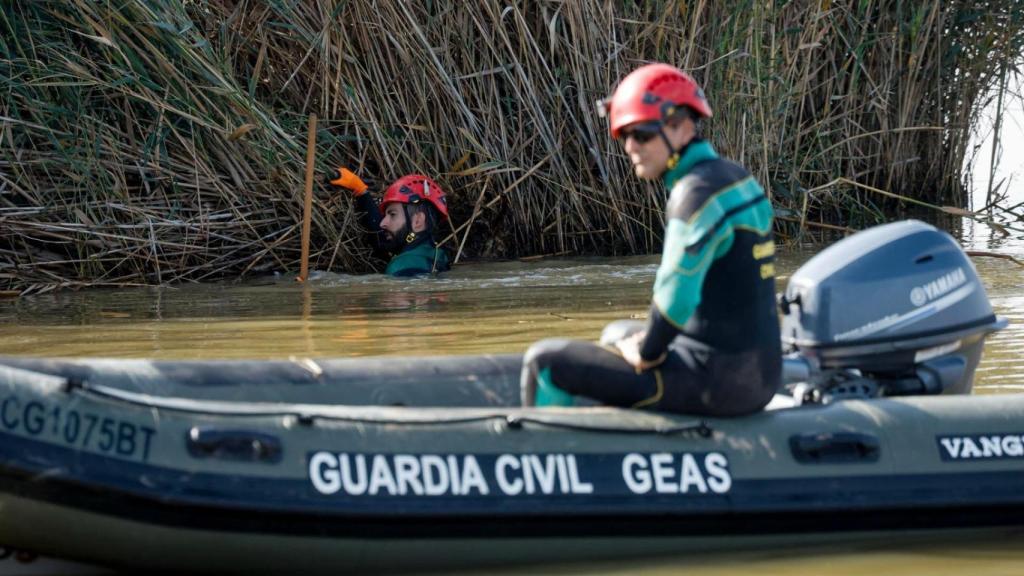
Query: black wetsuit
713	311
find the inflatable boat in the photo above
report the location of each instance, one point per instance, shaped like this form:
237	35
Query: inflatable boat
319	465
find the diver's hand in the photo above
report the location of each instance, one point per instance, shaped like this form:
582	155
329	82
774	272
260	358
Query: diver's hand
345	178
630	349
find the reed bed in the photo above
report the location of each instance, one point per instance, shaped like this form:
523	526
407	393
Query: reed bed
146	142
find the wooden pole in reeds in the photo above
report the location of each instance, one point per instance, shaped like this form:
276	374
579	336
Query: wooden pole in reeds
307	208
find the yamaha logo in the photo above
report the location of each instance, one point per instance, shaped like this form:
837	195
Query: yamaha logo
918	297
921	295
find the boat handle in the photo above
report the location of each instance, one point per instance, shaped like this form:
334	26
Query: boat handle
235	445
835	448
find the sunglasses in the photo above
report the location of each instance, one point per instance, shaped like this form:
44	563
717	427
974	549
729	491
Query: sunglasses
642	133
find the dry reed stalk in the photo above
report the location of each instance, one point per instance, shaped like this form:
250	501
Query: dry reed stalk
147	143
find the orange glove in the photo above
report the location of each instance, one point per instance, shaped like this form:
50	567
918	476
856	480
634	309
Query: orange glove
345	178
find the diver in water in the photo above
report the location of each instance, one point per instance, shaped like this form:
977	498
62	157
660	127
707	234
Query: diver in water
711	343
403	222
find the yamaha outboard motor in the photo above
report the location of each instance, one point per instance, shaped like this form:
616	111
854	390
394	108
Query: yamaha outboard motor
894	310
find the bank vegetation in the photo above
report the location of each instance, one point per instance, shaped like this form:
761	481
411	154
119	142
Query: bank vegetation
146	142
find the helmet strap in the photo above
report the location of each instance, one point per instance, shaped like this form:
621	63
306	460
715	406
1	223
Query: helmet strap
406	237
428	215
410	236
675	154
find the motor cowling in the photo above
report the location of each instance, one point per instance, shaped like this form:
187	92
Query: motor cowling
896	309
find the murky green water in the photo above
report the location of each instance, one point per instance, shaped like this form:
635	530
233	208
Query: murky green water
476	308
497	308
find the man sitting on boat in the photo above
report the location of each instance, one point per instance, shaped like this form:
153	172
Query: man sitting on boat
711	342
404	221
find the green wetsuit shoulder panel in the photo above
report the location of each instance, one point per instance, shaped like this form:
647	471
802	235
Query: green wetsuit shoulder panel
712	200
423	258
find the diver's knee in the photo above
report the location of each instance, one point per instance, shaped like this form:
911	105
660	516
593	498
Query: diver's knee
537	385
544	353
619	330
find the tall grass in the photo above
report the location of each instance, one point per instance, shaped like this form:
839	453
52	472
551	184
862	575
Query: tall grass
146	141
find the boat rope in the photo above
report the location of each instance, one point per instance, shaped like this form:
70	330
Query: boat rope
309	417
696	429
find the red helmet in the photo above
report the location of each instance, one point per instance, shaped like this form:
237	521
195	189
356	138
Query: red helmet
654	93
413	189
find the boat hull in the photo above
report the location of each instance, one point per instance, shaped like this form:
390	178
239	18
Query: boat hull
121	477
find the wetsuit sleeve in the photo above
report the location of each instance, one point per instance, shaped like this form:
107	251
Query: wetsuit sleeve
693	240
369	211
369	216
659	335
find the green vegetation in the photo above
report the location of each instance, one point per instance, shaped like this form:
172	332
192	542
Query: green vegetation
146	142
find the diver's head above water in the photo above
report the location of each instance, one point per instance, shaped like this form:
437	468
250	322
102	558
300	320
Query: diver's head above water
655	112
